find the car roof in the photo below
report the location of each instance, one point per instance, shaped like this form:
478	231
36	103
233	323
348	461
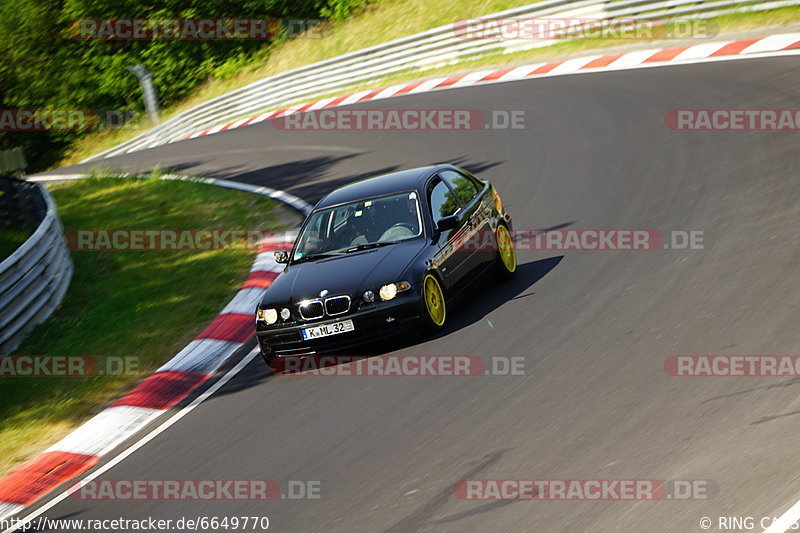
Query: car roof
403	180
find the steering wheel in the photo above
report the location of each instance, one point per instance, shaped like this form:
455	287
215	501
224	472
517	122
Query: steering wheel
398	231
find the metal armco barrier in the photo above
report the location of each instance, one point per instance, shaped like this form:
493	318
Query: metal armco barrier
33	279
426	50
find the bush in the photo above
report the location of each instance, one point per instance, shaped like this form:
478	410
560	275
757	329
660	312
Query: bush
43	65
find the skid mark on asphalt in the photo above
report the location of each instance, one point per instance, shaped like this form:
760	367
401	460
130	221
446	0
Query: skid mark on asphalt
782	384
423	517
774	417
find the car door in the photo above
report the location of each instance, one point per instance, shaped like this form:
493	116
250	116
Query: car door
449	257
476	214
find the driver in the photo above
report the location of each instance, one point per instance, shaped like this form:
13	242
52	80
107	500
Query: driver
359	227
401	216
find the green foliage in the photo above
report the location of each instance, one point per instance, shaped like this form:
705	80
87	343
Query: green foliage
339	9
45	65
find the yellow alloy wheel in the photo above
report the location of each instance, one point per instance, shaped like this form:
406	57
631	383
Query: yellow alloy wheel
506	246
434	300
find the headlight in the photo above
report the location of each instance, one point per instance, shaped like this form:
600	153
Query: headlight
285	314
270	316
389	291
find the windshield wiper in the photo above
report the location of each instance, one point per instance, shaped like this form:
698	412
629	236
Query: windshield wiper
360	247
314	257
368	246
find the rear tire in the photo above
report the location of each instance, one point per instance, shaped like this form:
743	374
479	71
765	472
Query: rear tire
506	254
433	303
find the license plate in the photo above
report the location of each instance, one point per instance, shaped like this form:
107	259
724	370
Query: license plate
328	329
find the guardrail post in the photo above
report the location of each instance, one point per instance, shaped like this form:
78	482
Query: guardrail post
148	91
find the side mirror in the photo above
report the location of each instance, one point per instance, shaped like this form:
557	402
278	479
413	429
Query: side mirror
447	223
281	256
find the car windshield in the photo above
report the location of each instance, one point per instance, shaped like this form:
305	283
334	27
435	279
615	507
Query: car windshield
359	225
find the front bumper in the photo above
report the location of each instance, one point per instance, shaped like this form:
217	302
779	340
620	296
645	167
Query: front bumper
372	323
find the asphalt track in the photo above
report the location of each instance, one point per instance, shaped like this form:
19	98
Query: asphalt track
594	327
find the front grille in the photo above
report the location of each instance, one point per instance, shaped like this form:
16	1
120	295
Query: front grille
311	310
337	305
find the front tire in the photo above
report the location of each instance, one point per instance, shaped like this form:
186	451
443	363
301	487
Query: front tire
435	307
506	254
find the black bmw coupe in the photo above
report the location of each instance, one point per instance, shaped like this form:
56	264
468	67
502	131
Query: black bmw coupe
382	254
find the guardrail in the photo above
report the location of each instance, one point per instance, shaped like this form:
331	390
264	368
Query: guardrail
426	50
33	279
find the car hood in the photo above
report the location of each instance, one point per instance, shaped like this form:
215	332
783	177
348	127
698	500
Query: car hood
351	273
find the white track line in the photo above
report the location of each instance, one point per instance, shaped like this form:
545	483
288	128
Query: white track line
786	521
141	442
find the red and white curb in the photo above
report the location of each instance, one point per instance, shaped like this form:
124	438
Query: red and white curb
637	59
174	381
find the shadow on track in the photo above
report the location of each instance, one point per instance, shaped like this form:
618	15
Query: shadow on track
312	178
490	295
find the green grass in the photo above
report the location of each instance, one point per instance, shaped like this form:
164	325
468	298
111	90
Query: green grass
143	304
383	21
10	240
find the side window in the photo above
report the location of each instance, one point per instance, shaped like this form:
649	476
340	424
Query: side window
443	203
464	187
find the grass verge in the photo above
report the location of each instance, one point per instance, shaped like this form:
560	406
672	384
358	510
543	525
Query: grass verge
384	21
141	304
